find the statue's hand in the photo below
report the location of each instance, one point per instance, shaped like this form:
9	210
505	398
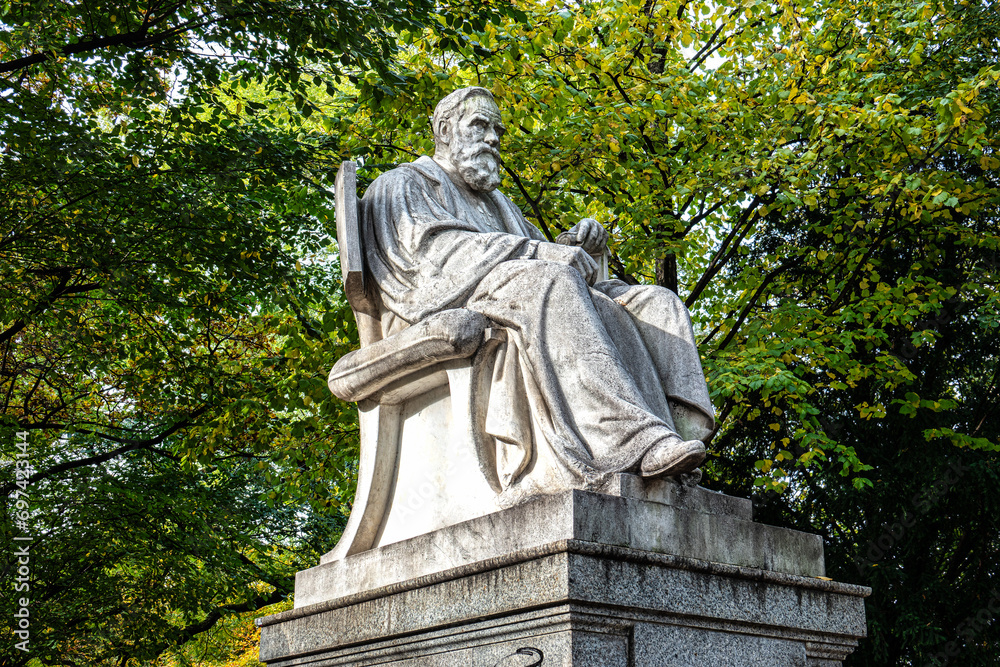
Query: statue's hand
588	234
573	256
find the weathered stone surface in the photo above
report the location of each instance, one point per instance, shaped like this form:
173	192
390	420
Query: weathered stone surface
584	378
577	515
669	491
451	334
579	603
579	578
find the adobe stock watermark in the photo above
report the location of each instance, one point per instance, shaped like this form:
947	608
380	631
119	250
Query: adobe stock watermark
22	543
968	630
922	503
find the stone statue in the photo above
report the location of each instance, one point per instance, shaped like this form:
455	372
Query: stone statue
526	432
601	377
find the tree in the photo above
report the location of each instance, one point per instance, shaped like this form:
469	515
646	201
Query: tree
818	181
182	551
167	316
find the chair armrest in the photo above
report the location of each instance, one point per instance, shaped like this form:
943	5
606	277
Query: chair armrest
450	334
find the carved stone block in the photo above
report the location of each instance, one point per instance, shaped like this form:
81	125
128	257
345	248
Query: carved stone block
579	578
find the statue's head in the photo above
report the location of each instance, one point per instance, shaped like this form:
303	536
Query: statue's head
467	131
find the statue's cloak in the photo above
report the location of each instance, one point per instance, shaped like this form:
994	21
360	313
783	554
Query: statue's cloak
428	247
598	374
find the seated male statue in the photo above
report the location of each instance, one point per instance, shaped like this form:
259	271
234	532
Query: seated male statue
596	378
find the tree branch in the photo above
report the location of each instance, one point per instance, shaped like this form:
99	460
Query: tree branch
107	456
753	300
135	39
532	202
722	257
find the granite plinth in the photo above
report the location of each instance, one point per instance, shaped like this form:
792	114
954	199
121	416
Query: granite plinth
578	578
695	524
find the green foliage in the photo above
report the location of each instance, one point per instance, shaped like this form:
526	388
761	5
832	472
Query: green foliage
168	313
819	181
181	551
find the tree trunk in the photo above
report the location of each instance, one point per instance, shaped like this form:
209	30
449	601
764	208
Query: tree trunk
666	272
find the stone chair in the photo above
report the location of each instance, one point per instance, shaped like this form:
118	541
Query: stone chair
413	386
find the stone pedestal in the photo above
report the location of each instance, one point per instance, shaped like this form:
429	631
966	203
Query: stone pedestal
656	574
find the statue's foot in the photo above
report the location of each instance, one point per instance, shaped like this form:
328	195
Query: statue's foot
672	457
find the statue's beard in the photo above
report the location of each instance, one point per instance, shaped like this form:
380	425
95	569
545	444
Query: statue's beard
480	168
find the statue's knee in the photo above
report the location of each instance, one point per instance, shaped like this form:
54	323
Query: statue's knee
669	298
658	299
655	292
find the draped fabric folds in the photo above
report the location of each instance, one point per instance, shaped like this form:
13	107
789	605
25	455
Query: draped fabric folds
586	382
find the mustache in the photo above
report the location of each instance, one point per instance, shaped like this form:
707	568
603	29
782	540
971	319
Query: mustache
487	149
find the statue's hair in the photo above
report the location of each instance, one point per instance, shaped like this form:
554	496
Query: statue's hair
452	102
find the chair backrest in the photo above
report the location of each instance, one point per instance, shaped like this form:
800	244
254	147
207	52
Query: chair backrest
360	295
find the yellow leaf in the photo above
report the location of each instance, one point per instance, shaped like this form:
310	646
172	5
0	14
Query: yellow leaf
774	427
135	160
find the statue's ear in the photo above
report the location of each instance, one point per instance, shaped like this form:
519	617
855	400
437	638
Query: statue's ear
444	131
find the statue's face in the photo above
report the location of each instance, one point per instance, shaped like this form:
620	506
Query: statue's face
474	142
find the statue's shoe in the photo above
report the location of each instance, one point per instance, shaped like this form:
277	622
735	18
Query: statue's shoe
672	457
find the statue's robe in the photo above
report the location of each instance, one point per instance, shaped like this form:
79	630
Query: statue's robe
591	378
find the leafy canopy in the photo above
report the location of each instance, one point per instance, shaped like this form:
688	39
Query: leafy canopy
818	181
